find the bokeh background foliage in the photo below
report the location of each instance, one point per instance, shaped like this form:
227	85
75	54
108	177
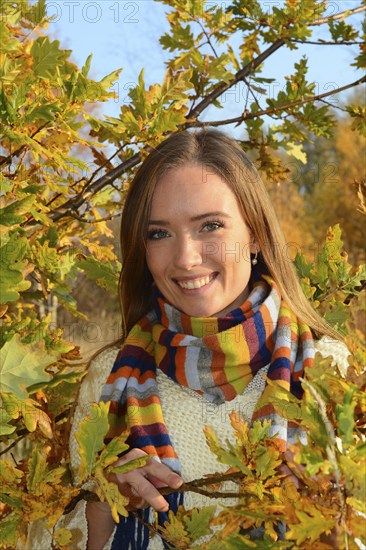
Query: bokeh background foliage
64	173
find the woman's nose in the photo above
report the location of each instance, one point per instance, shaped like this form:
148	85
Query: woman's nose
188	253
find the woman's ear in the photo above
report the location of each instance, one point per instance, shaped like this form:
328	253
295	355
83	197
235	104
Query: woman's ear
254	247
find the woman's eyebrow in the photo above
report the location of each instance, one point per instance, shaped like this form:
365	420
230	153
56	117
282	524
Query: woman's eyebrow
194	218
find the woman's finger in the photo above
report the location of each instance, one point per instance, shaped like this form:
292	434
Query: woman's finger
141	488
155	470
140	484
158	471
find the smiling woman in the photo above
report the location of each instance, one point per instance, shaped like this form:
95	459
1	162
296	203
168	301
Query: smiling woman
195	228
210	304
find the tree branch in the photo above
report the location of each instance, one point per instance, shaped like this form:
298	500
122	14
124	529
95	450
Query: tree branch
340	15
223	86
17	152
193	486
74	203
272	110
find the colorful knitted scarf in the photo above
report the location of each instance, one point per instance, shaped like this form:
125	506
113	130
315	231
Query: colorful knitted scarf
217	357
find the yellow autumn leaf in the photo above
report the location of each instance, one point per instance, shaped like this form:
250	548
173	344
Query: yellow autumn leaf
62	536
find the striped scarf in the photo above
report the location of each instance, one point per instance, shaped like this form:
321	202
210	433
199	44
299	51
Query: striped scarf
216	357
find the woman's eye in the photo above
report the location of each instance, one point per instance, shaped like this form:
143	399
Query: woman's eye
212	226
156	234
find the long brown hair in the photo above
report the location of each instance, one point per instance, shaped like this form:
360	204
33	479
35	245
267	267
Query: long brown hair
219	154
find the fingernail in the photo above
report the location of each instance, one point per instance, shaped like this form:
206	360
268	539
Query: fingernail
177	483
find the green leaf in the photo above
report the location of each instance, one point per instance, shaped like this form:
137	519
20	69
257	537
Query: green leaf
13	214
266	461
22	365
175	532
37	467
105	274
128	466
341	31
181	38
8	415
86	68
259	431
37	12
5	185
336	315
358	114
8	473
46	257
359	505
313	459
9	69
197	521
70	377
345	417
224	456
111	452
8	530
47	56
108	81
90	437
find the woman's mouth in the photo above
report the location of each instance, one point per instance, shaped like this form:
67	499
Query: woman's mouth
199	282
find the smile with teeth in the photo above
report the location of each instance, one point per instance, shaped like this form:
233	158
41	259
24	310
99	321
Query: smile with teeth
197	283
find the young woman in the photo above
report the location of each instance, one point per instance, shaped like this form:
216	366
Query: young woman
210	303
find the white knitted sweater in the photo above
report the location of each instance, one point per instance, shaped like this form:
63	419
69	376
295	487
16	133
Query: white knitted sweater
185	414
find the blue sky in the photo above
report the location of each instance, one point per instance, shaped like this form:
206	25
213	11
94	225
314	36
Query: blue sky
125	34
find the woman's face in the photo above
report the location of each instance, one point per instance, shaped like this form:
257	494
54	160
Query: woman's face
198	245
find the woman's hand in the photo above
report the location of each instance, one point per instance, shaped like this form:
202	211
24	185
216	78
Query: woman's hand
140	486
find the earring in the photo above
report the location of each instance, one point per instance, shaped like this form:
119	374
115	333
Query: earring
254	260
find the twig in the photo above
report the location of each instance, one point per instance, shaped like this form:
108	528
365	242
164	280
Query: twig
217	478
24	432
252	94
362	286
333	106
83	220
325	43
88	181
206	35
